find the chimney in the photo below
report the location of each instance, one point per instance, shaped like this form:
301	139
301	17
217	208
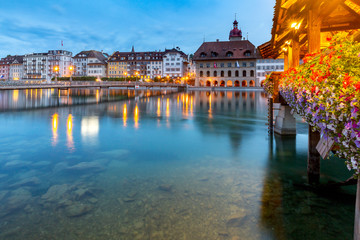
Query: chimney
217	40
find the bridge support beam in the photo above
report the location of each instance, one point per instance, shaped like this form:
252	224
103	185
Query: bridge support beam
285	123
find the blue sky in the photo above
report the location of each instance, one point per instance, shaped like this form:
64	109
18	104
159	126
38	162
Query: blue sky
115	25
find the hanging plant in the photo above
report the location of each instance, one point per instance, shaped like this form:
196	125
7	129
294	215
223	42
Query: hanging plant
325	91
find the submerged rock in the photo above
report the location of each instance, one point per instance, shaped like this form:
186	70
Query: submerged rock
3	194
87	166
17	200
16	164
236	220
165	187
55	193
31	181
78	209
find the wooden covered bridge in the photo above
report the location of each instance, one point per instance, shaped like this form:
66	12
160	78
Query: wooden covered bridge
303	27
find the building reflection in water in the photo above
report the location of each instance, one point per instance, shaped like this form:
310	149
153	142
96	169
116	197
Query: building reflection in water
90	129
125	115
69	133
15	96
55	123
158	112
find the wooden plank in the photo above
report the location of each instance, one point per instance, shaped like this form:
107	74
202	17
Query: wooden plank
313	163
324	146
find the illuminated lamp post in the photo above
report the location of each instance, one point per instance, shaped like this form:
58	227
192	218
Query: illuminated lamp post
56	70
125	75
71	69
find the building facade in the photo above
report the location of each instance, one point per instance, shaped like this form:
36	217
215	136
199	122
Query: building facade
16	68
90	63
44	66
174	63
141	64
266	66
226	63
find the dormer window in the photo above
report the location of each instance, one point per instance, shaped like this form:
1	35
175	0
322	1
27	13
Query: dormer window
214	54
229	54
247	53
202	54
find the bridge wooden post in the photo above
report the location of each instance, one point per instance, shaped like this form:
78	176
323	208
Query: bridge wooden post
313	162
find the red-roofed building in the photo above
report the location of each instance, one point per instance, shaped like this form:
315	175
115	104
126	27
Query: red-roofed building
226	63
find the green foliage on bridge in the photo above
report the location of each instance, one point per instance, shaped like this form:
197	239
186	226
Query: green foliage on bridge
84	78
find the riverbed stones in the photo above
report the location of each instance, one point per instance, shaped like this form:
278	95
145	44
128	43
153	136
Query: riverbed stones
56	193
16	201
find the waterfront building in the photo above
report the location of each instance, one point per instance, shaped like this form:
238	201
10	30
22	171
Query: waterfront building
44	66
141	64
16	68
267	66
90	63
5	67
226	63
175	63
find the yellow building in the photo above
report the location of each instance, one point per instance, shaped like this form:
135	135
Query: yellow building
116	69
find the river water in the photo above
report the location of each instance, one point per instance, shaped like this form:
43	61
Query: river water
120	164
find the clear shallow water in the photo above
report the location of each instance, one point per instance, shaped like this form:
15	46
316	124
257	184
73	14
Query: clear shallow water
195	165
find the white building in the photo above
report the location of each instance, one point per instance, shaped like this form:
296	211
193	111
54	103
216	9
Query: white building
174	63
44	66
17	68
266	66
90	63
154	68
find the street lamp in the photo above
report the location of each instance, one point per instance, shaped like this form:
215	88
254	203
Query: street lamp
56	70
136	75
71	69
125	73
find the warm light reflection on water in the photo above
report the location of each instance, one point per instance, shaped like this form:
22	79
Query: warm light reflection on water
69	133
15	95
158	111
136	117
55	122
124	115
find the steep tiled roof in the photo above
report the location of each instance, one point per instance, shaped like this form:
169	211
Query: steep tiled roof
92	54
225	50
145	56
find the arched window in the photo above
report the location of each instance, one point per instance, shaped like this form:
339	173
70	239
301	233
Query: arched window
215	73
229	54
251	73
229	73
236	73
244	73
201	73
222	74
202	54
208	73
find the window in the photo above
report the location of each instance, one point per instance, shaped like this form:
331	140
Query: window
252	64
236	73
214	54
215	73
229	73
244	64
202	54
208	65
229	64
201	73
208	73
244	73
222	73
251	73
229	54
201	65
247	53
222	65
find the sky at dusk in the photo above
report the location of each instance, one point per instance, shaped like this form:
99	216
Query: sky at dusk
29	26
